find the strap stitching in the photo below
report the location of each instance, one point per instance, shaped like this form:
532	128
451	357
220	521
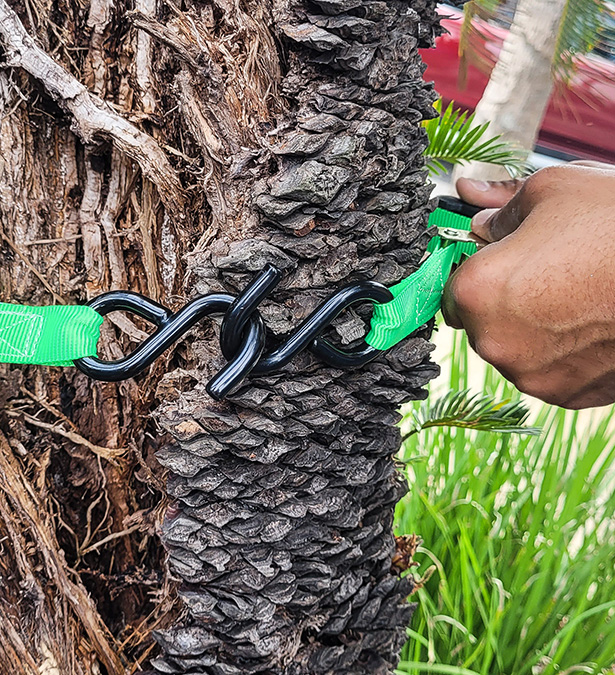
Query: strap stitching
32	337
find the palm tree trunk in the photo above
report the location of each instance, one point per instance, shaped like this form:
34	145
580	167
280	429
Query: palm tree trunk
516	97
174	149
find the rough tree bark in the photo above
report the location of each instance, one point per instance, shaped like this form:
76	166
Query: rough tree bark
174	149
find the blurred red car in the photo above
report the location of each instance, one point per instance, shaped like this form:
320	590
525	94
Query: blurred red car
580	120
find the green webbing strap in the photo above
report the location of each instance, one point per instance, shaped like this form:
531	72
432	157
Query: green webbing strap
58	335
48	336
418	298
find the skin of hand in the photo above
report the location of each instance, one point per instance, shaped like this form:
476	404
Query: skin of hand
538	301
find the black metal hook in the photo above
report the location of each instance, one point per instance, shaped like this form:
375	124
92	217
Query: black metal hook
244	306
339	358
307	335
242	336
171	327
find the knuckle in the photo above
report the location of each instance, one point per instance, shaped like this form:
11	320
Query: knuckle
475	286
546	180
494	352
537	385
463	294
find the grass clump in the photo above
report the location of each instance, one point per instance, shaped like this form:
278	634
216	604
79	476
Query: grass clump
519	540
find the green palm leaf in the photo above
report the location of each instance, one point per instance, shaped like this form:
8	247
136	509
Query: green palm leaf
468	411
579	33
454	138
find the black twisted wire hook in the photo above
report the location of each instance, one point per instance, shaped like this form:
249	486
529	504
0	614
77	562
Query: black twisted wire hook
306	336
242	337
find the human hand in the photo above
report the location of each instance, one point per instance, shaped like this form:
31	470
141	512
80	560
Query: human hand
538	302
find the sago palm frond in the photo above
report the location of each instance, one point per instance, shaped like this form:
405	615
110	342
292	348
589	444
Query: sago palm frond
473	411
454	138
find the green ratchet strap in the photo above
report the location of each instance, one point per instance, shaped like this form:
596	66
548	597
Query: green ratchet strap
418	298
59	335
48	336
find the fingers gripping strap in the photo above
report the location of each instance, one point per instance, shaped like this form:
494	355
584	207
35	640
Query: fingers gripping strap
418	298
52	336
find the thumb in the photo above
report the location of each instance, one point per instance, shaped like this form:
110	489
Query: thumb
495	224
488	194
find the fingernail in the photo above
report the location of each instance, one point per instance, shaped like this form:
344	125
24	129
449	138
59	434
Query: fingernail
482	217
481	225
481	185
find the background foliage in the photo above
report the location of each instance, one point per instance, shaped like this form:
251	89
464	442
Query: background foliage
519	540
454	138
581	30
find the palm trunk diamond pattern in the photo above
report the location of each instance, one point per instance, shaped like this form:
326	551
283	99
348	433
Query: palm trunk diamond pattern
281	527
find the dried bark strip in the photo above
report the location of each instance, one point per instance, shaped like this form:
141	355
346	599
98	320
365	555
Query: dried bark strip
92	117
27	505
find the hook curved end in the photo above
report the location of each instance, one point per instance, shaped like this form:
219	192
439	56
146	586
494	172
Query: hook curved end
339	358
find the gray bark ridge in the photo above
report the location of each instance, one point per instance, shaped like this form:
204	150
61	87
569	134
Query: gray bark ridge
281	527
